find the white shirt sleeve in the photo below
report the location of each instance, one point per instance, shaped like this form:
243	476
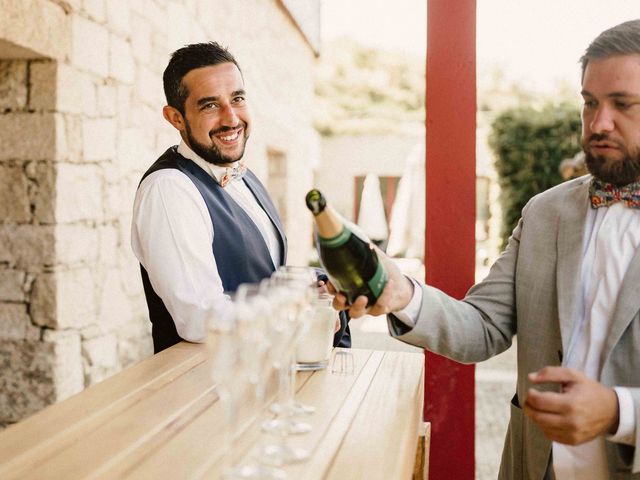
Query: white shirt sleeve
409	314
172	237
626	432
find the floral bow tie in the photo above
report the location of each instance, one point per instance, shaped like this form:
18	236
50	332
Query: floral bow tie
603	194
233	173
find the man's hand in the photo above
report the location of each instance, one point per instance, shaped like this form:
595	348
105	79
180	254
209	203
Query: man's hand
395	296
582	411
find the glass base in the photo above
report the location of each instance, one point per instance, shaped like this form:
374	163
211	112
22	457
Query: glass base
286	426
255	471
303	367
297	409
279	455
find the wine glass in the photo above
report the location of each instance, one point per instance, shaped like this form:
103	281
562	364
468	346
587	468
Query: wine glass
281	336
304	280
252	311
223	356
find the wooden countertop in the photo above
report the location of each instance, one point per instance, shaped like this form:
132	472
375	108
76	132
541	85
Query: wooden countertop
161	418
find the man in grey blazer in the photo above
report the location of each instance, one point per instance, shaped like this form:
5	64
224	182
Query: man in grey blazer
568	286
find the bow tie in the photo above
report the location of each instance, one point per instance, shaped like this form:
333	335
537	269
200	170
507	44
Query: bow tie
603	194
233	173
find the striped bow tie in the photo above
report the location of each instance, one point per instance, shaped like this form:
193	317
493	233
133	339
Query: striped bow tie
603	194
233	173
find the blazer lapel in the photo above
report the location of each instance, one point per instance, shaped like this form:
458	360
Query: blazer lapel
570	235
627	305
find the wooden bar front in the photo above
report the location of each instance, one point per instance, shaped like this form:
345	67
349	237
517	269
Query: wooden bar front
162	418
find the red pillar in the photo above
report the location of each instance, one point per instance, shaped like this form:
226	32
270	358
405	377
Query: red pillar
450	221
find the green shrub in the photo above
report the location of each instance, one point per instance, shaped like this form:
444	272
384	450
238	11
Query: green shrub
529	145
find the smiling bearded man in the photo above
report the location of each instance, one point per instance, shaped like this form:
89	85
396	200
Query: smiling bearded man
202	222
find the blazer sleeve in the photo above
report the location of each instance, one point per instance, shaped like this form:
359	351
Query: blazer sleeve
472	329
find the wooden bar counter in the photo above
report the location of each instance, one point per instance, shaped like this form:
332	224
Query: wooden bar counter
162	418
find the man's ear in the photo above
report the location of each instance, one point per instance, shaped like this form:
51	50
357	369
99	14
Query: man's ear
174	117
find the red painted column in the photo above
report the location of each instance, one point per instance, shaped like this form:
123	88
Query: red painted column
450	222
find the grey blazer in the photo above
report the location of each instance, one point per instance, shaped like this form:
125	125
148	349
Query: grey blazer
530	291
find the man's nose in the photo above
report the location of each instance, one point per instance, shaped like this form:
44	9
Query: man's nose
602	120
228	116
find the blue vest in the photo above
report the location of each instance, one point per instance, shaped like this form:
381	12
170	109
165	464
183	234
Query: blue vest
238	246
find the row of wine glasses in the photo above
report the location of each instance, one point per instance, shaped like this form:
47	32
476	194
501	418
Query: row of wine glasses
256	340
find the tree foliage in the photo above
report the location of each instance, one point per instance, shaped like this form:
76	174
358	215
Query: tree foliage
529	145
364	90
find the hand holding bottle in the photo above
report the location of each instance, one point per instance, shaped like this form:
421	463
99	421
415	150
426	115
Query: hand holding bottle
396	294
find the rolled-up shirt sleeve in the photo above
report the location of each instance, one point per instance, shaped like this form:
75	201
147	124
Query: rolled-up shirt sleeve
172	236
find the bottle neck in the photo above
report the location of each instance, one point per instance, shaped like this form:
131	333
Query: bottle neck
328	223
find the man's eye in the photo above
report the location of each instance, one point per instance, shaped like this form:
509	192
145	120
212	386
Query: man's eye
623	105
238	99
590	103
209	106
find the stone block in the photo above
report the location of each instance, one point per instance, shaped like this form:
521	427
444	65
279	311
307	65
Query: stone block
44	300
42	192
101	351
43	85
141	39
76	244
114	308
64	299
134	341
130	268
35	374
35	26
90	46
119	199
95	9
121	64
108	245
79	193
12	286
149	87
15	323
27	136
26	378
71	91
124	95
14	195
98	138
67	362
13	84
119	16
69	137
28	247
107	100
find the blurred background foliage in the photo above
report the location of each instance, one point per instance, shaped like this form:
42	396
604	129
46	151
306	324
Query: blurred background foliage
363	90
529	144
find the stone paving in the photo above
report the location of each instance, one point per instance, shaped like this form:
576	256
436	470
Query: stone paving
495	385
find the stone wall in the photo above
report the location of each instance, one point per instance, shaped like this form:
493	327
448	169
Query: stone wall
80	121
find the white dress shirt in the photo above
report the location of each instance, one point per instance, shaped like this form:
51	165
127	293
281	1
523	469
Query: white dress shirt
172	235
611	238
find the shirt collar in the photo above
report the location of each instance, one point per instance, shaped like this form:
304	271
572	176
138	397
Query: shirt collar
216	171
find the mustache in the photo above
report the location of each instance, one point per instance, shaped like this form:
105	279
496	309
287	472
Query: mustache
227	129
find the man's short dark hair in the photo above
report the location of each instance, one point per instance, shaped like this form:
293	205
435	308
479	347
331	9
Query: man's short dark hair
623	39
185	59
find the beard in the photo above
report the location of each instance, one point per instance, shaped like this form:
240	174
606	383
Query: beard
618	172
212	154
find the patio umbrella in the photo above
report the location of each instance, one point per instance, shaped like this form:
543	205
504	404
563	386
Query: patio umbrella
371	217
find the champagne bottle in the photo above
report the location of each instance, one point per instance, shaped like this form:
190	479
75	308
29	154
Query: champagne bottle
350	262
